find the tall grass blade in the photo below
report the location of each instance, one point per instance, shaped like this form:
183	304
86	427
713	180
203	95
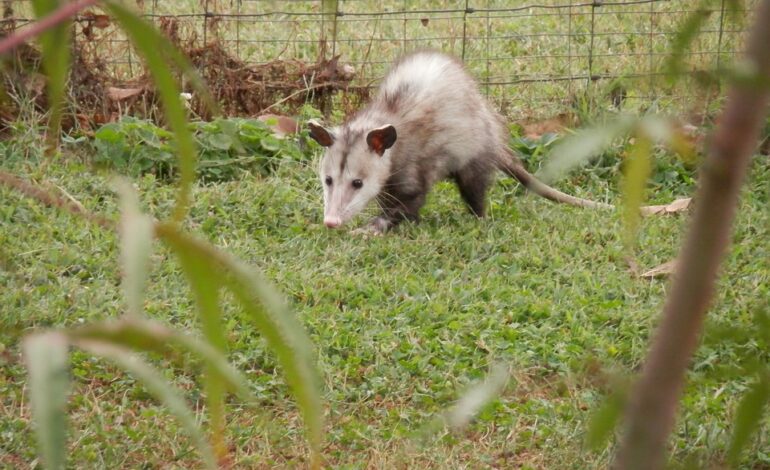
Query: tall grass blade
149	336
166	393
135	246
283	332
145	39
205	285
748	417
54	43
46	356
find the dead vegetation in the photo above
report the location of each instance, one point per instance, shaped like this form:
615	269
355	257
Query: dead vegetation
95	96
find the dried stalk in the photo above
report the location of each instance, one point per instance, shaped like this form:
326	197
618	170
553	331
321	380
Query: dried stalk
41	195
652	408
67	11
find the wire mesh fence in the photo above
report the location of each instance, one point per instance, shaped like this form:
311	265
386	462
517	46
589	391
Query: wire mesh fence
533	58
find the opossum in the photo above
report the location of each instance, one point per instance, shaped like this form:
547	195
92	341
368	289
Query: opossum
427	122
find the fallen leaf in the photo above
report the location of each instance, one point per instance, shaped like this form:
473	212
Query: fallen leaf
660	271
281	125
535	130
120	94
678	205
101	21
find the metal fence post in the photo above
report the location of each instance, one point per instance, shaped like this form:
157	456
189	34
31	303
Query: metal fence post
569	51
403	30
721	33
489	35
329	8
238	4
651	65
205	22
596	3
334	26
465	28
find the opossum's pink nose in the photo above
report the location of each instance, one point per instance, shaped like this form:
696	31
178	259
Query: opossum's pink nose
332	222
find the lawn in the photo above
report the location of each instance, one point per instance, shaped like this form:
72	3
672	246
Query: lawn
402	323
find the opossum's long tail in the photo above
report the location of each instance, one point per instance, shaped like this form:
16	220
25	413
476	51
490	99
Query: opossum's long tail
512	166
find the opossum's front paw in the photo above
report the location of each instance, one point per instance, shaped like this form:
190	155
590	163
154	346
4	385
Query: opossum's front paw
366	232
377	226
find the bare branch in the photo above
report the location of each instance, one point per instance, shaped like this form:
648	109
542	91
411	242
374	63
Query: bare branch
653	403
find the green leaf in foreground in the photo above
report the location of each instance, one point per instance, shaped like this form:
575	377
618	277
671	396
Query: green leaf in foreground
264	306
604	420
749	416
46	356
580	147
166	393
150	44
148	336
135	246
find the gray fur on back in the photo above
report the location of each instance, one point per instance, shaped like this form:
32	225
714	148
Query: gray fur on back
442	120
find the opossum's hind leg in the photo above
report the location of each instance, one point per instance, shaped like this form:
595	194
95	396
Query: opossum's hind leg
397	208
473	181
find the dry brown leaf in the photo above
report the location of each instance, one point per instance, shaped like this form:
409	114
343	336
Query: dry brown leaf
101	21
120	94
660	271
535	130
283	125
678	205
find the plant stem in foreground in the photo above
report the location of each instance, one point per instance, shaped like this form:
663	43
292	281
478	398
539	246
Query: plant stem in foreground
653	402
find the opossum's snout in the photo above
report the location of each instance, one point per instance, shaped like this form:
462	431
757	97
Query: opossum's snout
344	198
332	222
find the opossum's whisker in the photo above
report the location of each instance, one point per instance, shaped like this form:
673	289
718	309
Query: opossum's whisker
392	198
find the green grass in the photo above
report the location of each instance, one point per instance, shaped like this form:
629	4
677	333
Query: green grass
402	323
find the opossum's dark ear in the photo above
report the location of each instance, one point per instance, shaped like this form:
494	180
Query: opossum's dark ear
320	134
379	140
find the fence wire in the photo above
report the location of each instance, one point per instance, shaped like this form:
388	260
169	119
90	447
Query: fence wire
532	58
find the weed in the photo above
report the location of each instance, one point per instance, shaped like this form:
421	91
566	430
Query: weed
226	148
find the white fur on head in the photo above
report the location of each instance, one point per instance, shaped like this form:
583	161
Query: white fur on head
357	164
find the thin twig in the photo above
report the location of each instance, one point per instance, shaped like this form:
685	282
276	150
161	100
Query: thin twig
62	14
298	92
41	195
653	402
70	197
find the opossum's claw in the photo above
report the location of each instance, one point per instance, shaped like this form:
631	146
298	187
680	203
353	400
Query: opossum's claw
378	226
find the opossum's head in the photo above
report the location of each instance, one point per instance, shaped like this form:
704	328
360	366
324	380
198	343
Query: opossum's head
354	168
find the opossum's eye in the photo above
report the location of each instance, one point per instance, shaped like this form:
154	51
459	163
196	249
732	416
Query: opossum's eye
328	181
357	184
